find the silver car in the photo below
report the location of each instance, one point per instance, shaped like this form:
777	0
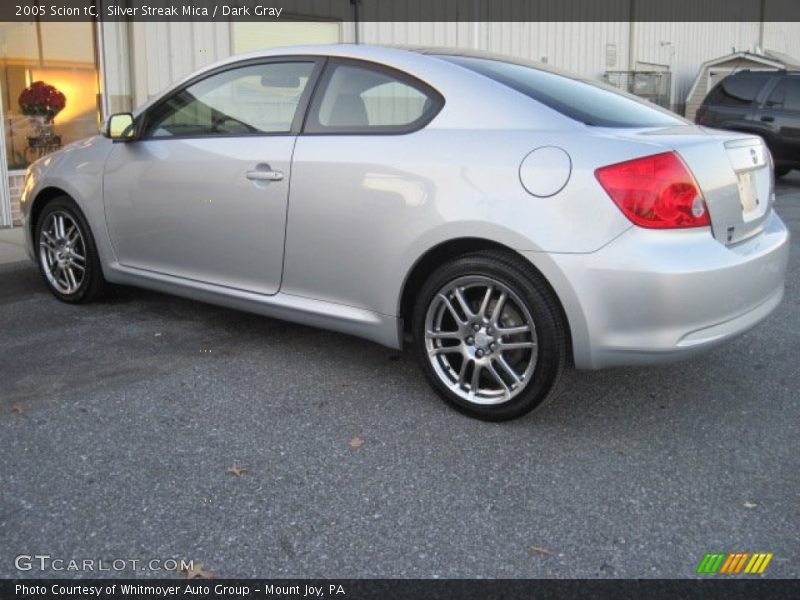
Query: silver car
503	218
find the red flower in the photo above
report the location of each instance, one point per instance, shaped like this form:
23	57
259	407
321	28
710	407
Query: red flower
42	99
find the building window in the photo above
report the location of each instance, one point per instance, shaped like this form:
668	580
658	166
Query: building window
61	56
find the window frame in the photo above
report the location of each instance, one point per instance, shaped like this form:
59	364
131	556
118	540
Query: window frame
312	125
143	121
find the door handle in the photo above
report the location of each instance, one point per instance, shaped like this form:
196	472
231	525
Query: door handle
767	119
264	175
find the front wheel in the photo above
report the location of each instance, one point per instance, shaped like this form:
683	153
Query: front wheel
489	335
67	254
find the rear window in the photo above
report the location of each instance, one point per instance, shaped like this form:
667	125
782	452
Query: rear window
736	91
590	102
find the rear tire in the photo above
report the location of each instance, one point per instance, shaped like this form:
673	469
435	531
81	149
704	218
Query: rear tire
67	254
487	364
781	172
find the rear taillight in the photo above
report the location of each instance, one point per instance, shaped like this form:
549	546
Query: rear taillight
655	191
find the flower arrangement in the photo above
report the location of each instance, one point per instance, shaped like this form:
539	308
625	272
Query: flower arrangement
41	99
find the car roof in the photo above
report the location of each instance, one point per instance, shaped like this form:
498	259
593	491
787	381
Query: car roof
769	73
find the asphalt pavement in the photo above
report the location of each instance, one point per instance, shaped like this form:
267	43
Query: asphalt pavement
147	427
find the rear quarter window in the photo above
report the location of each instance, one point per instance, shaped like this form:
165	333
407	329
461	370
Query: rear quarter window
736	91
586	101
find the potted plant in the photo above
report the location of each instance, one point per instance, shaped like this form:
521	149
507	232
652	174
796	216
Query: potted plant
42	102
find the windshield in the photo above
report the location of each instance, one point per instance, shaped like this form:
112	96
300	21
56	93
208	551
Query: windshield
590	102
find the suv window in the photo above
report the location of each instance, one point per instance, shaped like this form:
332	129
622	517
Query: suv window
587	101
736	91
786	95
371	99
248	100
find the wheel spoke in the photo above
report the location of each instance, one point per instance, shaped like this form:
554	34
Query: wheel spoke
73	234
496	375
485	304
443	335
60	233
73	283
50	246
459	294
508	369
515	345
498	308
75	265
476	376
501	331
452	309
445	350
59	273
77	256
462	374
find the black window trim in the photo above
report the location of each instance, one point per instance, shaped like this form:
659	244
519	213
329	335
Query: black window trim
143	121
312	126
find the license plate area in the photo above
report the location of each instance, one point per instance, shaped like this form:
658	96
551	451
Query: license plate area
748	193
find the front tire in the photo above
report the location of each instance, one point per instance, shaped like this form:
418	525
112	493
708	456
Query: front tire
489	335
66	253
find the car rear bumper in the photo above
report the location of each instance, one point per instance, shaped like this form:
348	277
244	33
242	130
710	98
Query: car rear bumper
653	296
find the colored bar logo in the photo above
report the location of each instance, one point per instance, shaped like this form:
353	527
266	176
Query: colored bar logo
734	563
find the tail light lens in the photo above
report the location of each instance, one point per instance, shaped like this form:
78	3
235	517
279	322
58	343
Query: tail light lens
655	191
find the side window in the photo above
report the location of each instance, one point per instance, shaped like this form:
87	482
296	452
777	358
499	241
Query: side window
792	99
249	100
786	95
777	96
366	99
737	91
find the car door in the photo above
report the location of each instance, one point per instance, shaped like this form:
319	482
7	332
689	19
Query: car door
780	116
359	171
202	191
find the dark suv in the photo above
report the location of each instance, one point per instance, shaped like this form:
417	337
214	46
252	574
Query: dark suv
762	102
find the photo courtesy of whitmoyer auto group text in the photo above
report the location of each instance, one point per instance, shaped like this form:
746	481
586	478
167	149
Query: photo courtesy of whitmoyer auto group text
400	299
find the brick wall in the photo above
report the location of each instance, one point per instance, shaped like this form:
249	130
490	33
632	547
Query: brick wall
15	185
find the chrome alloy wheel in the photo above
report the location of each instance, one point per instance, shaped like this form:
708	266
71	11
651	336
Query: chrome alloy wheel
481	340
62	252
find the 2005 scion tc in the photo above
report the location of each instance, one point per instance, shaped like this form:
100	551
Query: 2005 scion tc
507	218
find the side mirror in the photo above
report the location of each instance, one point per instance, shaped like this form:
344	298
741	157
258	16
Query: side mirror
120	127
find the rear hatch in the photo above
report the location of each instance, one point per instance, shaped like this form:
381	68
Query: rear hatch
733	170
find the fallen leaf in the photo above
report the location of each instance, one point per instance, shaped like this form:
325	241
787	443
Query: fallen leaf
236	470
356	442
542	550
750	504
196	571
18	409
